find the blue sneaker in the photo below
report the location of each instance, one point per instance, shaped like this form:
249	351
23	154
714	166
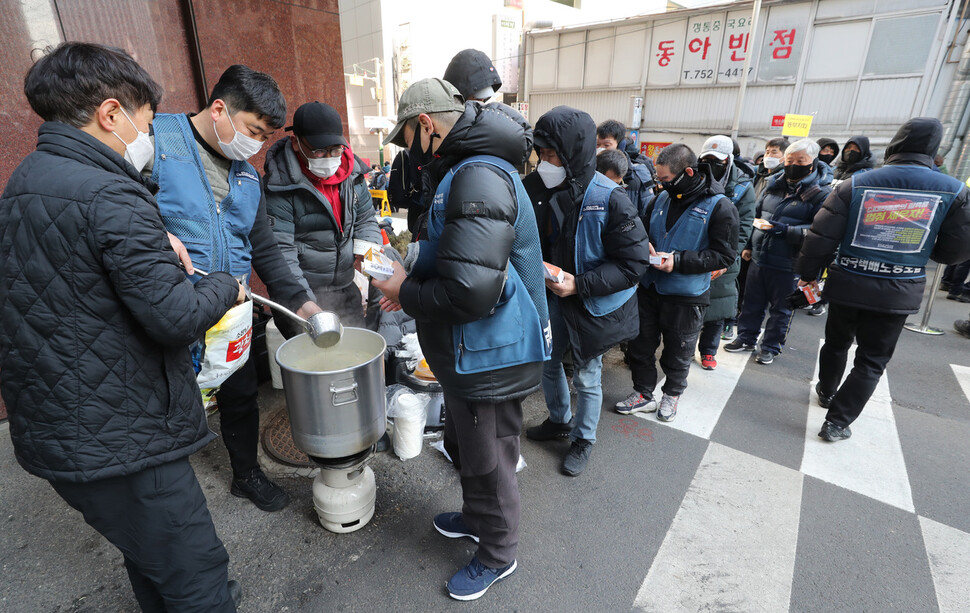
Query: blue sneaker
453	526
471	582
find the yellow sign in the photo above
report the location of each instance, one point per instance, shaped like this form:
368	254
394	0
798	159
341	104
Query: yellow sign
356	79
797	125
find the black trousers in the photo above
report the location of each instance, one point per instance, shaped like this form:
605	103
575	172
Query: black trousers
876	334
159	520
678	325
239	418
488	445
710	338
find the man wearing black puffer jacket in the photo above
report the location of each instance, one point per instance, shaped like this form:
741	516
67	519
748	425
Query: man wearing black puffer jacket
97	318
321	211
884	225
856	158
474	286
785	211
591	230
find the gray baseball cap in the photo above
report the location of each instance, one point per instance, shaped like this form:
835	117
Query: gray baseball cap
424	96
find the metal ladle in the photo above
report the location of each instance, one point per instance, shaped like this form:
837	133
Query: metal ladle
324	328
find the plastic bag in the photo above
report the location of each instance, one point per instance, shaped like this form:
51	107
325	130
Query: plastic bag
407	409
224	350
410	350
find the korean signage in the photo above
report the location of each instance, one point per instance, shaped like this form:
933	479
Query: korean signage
712	48
777	121
506	27
784	37
797	125
898	222
652	149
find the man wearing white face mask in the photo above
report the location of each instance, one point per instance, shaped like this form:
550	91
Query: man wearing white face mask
772	164
320	209
210	198
588	227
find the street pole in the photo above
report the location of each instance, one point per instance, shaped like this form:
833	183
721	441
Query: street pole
924	325
755	13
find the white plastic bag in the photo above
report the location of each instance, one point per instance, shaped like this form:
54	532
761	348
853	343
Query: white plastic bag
407	409
226	349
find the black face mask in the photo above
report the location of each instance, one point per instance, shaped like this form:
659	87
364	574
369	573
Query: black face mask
681	184
418	157
796	172
851	157
717	168
826	157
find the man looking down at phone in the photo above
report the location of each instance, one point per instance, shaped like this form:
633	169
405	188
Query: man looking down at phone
693	231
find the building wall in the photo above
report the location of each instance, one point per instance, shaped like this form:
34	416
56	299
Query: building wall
858	66
298	42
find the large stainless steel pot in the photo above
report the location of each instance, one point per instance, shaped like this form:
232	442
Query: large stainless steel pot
335	396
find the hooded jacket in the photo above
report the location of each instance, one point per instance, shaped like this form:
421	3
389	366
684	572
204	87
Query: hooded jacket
829	142
793	207
724	289
572	134
319	253
473	250
909	165
844	170
96	317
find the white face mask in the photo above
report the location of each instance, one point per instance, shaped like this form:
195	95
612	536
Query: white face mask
771	163
551	175
600	150
241	147
321	167
140	150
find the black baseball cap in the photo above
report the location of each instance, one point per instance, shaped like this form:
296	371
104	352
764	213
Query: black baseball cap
319	124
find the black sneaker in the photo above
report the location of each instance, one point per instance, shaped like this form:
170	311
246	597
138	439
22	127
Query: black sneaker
764	357
262	492
963	327
817	310
737	346
824	400
832	433
577	457
235	592
548	430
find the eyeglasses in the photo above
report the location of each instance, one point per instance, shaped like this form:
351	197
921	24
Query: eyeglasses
328	152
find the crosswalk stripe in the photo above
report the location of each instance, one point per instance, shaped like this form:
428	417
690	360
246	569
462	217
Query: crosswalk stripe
732	543
707	393
948	551
962	373
871	462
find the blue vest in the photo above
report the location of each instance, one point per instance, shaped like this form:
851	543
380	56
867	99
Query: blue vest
688	234
216	234
517	331
590	252
739	189
892	225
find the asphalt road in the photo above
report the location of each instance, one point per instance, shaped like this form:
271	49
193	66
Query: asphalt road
735	506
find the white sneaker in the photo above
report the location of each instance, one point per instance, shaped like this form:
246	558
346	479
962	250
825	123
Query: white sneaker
668	408
636	403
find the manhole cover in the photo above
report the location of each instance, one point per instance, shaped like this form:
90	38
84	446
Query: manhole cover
278	441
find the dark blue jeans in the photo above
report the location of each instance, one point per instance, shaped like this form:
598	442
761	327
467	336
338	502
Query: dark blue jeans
766	291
